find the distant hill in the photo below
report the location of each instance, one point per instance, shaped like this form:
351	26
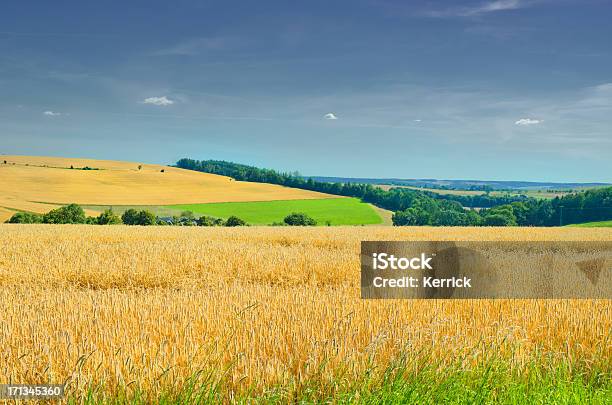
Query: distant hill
424	207
39	184
459	184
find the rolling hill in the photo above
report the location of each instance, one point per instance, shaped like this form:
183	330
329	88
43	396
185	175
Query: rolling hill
461	184
39	184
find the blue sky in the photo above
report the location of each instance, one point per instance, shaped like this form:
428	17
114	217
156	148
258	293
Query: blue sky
504	89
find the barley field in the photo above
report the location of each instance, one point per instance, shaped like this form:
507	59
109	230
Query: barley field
273	314
39	184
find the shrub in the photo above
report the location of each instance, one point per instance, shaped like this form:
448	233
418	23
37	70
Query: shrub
108	217
25	218
70	214
235	221
299	219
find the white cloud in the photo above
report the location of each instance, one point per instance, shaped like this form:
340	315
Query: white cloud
528	121
52	114
480	9
161	101
417	120
498	5
330	116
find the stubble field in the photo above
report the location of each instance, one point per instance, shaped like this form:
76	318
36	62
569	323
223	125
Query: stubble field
274	314
39	184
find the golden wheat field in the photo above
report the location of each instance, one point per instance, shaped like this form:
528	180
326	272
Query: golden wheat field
39	184
126	308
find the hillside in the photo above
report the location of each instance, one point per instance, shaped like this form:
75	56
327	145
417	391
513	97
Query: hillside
462	184
38	184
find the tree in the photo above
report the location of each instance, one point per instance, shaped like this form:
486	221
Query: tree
209	221
235	221
146	218
187	214
70	214
130	217
133	217
502	215
411	216
497	220
108	217
299	219
402	218
25	218
520	211
451	218
473	219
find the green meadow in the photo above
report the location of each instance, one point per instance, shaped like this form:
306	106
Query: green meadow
599	224
332	211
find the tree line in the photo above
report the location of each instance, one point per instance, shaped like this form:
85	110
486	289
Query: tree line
416	207
74	214
395	199
479	200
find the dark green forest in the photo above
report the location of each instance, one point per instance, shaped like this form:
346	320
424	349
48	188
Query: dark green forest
415	207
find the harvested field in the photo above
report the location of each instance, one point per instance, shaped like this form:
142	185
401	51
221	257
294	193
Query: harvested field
39	184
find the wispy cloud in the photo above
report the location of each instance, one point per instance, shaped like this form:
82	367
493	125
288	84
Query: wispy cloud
498	5
52	114
478	9
606	87
160	101
330	116
528	121
196	46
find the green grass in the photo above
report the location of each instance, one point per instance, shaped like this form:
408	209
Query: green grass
599	224
338	211
335	211
407	380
